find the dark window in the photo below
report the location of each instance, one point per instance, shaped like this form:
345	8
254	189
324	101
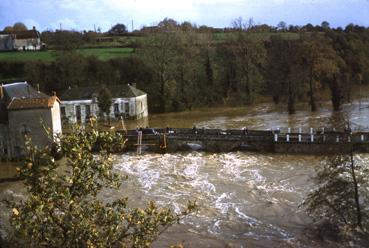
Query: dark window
62	111
126	107
78	113
116	108
88	111
25	130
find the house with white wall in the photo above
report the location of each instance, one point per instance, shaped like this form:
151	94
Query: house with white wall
80	103
28	40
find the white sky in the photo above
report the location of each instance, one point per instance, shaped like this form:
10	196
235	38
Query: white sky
83	14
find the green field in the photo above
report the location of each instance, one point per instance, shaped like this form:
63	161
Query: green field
47	56
109	50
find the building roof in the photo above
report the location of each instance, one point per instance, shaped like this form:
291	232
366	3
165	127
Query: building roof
32	103
85	93
22	90
18	96
27	34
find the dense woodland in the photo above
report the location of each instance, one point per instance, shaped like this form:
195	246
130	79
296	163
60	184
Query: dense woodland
182	66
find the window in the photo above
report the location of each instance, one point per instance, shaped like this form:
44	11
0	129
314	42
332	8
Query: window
62	111
88	111
116	108
126	107
78	113
25	130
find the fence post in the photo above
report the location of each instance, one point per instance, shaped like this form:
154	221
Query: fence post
349	138
275	137
289	130
338	139
288	138
311	130
312	137
299	137
300	130
362	137
322	130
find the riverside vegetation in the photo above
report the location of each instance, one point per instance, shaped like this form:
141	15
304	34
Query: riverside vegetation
175	63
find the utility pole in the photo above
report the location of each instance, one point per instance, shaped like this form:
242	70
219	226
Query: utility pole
60	25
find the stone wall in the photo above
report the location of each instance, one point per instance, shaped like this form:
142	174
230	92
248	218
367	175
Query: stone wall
6	42
30	122
4	142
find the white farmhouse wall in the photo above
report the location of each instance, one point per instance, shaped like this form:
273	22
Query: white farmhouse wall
137	107
56	120
27	44
28	121
71	109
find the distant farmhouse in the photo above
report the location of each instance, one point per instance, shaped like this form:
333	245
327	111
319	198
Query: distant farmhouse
79	104
21	40
26	111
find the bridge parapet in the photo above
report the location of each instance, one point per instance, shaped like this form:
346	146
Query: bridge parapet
319	141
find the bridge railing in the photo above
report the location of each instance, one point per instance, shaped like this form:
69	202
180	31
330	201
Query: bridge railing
254	135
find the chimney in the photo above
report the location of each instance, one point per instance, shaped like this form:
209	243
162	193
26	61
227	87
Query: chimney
34	28
1	91
28	91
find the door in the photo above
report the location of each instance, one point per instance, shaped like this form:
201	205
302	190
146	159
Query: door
78	113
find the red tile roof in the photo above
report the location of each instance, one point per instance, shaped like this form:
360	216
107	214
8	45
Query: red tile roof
32	103
29	34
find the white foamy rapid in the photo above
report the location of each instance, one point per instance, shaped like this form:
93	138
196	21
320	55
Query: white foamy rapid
242	197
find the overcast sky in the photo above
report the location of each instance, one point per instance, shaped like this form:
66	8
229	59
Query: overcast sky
83	14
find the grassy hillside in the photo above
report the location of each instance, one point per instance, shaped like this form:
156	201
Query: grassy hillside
47	56
119	47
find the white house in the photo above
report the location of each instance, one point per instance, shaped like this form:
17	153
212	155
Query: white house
21	40
78	104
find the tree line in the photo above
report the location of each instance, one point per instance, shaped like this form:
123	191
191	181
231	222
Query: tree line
180	67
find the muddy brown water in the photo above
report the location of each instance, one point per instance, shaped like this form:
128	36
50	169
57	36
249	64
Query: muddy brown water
245	199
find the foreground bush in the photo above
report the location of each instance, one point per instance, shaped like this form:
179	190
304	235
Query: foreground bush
62	208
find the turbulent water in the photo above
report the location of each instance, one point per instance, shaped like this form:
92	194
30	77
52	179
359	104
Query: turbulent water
245	199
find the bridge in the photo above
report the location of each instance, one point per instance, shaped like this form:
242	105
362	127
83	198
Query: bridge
321	141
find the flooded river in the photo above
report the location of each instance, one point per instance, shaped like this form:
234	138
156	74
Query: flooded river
245	199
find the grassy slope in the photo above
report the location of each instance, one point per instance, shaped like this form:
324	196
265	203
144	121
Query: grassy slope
108	50
47	56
